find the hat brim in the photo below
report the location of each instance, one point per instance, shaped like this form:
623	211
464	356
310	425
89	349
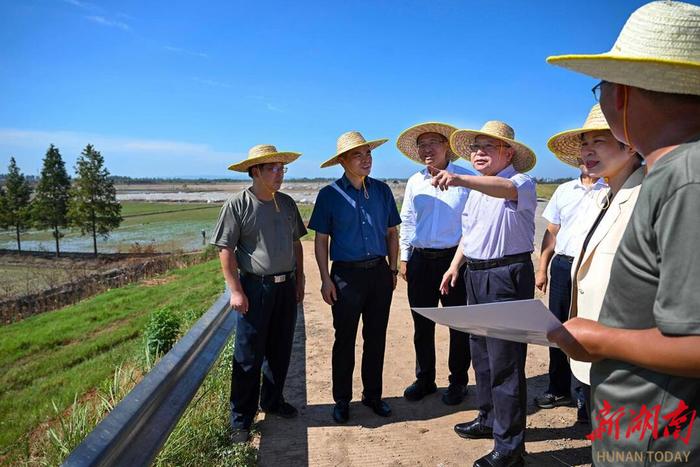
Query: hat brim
283	157
653	74
408	145
566	145
523	160
372	145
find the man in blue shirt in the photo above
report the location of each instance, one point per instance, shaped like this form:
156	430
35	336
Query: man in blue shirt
358	215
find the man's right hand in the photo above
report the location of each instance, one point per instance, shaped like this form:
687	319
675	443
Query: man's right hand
402	270
328	291
541	280
449	279
239	302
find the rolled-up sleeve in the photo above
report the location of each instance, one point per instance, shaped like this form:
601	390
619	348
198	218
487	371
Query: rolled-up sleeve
527	193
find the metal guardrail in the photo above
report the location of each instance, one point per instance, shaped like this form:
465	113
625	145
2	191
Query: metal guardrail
134	432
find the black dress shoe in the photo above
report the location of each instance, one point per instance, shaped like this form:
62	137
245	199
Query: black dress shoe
418	390
341	412
284	409
378	406
549	401
454	394
497	459
473	430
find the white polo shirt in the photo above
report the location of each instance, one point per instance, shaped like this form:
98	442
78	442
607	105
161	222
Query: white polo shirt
430	217
574	208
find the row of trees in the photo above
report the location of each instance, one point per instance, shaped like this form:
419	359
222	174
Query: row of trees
89	202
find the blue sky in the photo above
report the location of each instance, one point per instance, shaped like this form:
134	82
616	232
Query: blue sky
183	89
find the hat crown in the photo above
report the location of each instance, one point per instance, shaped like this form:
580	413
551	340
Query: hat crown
661	30
498	129
261	150
595	119
349	140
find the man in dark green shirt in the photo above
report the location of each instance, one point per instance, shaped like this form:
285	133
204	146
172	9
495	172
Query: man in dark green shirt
645	348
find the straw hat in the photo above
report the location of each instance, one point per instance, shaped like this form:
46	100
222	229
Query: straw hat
658	49
408	139
349	141
524	158
263	154
567	144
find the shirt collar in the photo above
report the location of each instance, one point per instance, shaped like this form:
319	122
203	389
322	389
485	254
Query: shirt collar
450	168
507	172
344	182
600	183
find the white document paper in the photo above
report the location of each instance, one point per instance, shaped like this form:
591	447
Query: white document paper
520	321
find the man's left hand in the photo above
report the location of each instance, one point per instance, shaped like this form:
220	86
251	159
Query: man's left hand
393	278
580	338
301	284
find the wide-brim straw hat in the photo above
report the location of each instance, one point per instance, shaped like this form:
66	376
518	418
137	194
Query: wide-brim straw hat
524	158
658	49
567	144
349	141
263	154
408	139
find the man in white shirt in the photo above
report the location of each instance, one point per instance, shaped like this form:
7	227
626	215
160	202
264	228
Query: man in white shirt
569	213
430	233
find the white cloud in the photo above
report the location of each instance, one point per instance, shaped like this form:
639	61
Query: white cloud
274	108
182	51
80	4
126	156
108	22
211	82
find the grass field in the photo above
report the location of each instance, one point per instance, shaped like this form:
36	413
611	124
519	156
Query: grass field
546	190
56	355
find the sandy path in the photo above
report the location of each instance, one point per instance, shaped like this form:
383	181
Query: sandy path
418	433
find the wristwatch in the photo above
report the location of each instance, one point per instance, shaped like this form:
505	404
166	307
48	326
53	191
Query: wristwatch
395	272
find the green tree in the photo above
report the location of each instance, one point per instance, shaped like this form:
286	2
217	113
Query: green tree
15	205
52	193
93	205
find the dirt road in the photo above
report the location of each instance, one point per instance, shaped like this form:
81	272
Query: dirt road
418	433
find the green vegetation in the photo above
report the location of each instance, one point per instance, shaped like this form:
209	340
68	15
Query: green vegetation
14	202
93	205
162	330
49	358
50	205
546	190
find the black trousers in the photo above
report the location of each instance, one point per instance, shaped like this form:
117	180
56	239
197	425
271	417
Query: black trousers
559	303
362	293
263	340
499	365
423	276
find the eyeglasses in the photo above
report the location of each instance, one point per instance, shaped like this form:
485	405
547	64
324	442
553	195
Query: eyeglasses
429	143
276	169
488	147
596	90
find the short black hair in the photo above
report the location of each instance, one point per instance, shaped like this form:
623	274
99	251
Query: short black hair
250	169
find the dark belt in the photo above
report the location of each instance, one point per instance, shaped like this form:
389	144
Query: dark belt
367	264
436	253
271	278
477	264
568	259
